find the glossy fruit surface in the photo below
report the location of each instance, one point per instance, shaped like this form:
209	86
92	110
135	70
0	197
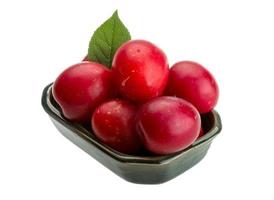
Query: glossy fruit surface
168	124
140	70
194	83
113	124
80	88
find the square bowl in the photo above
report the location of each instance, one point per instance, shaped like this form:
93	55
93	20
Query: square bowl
136	169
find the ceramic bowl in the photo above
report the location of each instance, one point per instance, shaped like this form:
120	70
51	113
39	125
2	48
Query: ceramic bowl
148	169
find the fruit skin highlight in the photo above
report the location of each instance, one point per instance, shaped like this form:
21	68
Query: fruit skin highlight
192	82
140	70
113	123
168	124
80	88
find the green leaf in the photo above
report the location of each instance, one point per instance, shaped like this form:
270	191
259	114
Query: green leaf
107	39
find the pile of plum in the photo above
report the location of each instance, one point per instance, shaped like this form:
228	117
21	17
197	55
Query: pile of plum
139	103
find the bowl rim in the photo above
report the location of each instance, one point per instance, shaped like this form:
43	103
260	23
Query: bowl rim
78	129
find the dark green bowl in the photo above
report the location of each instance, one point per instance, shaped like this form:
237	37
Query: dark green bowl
137	169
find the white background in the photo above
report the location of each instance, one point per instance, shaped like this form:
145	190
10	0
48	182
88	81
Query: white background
233	39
